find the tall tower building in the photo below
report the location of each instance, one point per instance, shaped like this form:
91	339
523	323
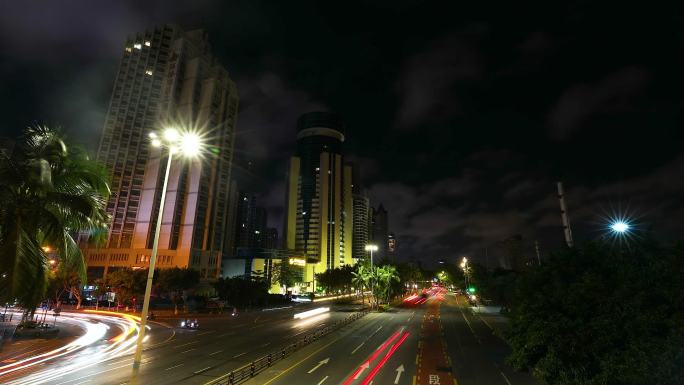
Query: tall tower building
167	77
361	223
380	231
318	222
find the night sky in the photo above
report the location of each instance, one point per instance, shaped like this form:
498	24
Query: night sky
462	115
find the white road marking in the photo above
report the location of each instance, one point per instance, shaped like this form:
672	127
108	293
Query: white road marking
174	367
239	355
189	343
323	362
367	338
202	370
216	352
505	378
207	332
323	380
358	347
189	350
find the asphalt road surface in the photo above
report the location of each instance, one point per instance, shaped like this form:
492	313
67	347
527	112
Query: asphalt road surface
174	355
435	343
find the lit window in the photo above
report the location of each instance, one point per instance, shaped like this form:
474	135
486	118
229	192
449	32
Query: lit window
318	169
244	199
256	231
128	49
147	43
148	72
137	46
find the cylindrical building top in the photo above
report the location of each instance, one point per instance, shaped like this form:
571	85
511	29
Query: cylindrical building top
319	123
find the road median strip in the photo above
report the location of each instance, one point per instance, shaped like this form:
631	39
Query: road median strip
249	370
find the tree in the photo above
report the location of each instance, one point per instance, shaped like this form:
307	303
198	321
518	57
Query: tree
127	284
174	281
336	280
362	279
385	276
241	291
601	315
48	193
286	274
64	280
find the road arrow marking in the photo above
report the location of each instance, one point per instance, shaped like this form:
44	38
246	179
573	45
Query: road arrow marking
323	362
363	367
323	380
399	370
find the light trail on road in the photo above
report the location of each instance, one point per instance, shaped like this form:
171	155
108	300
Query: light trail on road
86	351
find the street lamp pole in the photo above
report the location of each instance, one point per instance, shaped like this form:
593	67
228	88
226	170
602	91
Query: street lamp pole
150	272
188	144
464	266
372	248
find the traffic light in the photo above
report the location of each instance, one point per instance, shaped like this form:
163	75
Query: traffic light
471	290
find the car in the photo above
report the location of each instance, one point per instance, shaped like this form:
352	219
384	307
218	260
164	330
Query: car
301	298
189	324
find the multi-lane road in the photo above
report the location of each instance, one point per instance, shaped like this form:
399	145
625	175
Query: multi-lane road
172	354
431	341
435	343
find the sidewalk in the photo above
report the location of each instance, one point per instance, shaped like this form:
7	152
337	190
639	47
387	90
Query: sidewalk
492	317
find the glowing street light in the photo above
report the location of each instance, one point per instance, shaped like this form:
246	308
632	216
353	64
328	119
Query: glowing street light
464	266
188	144
619	227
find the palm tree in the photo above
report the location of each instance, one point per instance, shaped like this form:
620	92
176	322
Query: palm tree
362	278
385	275
48	193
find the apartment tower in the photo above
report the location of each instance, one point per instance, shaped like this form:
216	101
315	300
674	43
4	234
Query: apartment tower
318	221
168	77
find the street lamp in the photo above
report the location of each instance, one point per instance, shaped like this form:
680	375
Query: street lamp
188	144
619	227
464	266
372	248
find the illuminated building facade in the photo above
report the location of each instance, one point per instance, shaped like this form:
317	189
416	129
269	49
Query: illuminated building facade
168	78
362	226
318	219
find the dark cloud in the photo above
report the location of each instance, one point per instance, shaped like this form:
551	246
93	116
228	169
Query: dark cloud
448	219
612	95
428	84
461	119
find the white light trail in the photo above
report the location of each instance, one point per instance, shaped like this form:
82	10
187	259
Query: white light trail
311	313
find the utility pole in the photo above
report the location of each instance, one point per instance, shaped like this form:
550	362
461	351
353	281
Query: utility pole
564	216
536	248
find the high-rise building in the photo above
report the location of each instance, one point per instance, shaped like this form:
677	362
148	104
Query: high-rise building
361	223
318	221
251	223
167	78
270	240
380	232
391	246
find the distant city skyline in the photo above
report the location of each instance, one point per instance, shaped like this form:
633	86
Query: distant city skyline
461	123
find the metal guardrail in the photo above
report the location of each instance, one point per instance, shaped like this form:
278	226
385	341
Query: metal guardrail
248	371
